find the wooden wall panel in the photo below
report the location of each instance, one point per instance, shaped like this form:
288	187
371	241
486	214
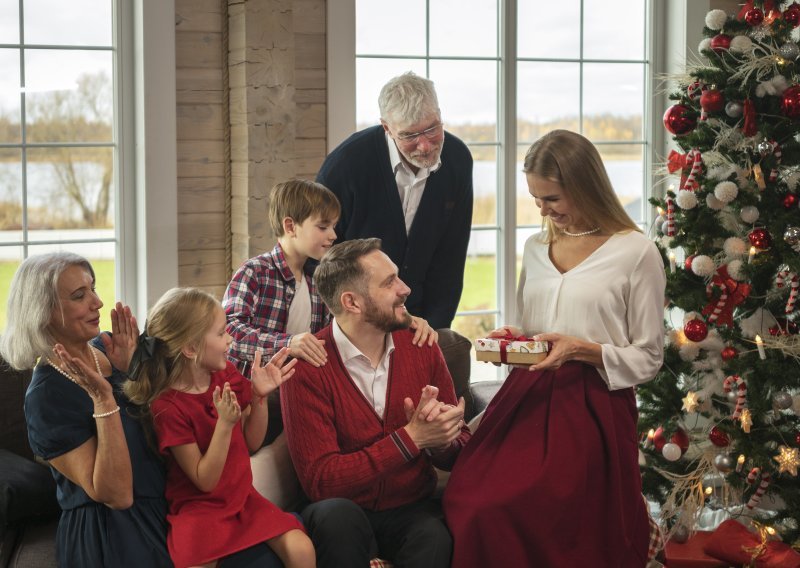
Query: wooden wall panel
277	111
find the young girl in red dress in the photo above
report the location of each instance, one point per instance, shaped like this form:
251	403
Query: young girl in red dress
207	418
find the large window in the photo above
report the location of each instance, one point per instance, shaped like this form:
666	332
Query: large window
507	72
59	136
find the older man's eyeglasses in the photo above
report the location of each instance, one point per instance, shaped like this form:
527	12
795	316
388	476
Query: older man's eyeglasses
431	133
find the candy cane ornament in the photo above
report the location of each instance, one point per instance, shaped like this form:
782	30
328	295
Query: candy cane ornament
670	217
722	301
695	158
741	388
794	284
776	152
755	499
696	89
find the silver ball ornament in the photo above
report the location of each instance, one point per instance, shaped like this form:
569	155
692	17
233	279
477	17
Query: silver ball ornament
734	109
792	236
789	51
723	463
765	148
680	535
671	451
782	400
733	396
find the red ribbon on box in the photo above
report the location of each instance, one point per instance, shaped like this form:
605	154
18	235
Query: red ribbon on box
733	543
505	340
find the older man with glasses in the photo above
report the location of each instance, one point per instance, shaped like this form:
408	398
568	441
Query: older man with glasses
409	183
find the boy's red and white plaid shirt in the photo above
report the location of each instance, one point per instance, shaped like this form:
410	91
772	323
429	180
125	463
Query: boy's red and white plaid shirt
256	305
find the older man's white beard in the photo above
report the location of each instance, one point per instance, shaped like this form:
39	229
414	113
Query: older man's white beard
428	162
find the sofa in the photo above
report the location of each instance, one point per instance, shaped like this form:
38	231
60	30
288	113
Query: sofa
28	507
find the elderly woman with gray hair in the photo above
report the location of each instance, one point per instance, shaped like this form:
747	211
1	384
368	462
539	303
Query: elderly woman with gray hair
110	485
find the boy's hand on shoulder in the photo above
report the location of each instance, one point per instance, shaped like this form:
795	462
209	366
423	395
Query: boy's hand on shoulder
423	332
307	347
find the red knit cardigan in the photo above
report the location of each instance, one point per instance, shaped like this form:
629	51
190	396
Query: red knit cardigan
339	445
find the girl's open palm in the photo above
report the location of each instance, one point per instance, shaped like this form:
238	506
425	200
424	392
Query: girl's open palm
226	404
272	375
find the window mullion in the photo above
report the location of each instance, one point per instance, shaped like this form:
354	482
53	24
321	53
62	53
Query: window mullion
507	198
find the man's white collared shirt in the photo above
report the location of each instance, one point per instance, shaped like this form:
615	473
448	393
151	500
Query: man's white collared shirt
371	382
409	185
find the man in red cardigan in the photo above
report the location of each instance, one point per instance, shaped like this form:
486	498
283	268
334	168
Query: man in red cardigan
366	429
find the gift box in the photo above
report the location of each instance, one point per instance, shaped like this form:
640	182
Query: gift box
736	545
690	554
512	350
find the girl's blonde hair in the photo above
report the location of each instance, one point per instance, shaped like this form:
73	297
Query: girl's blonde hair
573	162
180	318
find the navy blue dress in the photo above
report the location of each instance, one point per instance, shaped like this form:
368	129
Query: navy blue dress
59	417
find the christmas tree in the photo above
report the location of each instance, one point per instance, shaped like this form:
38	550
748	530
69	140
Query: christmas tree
719	424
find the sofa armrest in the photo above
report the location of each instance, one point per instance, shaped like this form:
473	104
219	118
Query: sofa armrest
27	490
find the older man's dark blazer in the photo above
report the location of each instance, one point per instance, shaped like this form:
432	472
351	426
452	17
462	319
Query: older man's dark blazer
431	257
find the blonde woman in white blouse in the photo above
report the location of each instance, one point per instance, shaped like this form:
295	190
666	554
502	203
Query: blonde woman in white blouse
551	478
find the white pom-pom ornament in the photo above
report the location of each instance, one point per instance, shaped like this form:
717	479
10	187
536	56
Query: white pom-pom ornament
703	265
734	246
749	214
726	191
704	45
741	44
735	270
689	351
686	199
792	180
671	451
713	203
716	19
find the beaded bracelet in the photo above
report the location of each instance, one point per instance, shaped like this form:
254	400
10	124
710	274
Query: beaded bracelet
106	414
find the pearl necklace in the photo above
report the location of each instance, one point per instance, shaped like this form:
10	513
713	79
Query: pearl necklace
70	377
583	234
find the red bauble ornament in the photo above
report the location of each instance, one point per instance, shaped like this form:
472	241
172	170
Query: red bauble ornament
792	15
718	437
760	238
728	353
680	437
687	264
721	42
790	102
784	327
790	200
712	101
797	439
754	17
695	330
679	120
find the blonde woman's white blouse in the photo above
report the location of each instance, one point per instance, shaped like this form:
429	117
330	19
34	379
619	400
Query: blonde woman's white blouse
615	297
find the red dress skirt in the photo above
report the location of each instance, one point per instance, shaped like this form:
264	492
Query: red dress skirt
233	516
551	477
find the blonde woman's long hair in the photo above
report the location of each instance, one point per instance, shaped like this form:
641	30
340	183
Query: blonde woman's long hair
180	318
570	160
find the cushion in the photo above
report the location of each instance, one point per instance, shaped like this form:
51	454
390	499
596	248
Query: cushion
273	474
13	432
27	490
456	350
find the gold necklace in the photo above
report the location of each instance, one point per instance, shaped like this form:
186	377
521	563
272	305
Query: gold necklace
70	377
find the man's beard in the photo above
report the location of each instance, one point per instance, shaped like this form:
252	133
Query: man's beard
386	321
428	162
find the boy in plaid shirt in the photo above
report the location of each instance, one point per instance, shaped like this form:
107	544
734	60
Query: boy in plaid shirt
272	302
